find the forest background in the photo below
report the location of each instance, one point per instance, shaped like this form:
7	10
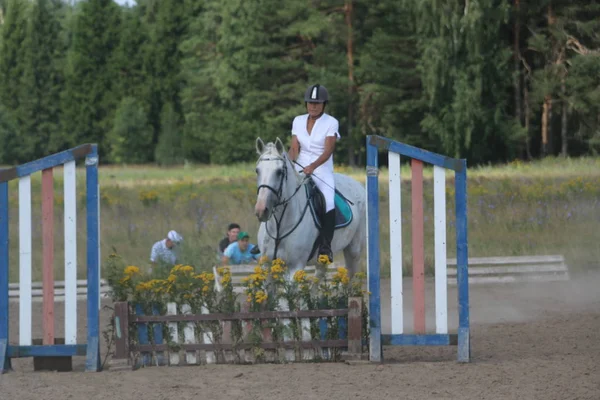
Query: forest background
182	88
170	81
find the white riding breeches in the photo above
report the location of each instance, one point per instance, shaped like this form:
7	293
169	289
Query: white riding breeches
325	182
327	188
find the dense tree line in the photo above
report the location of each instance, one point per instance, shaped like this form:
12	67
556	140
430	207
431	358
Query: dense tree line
172	80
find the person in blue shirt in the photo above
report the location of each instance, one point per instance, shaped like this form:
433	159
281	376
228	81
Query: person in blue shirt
240	251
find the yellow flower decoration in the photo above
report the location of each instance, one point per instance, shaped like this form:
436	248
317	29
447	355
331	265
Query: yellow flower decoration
300	276
223	270
261	296
131	270
142	287
205	277
341	276
186	269
277	269
225	274
176	268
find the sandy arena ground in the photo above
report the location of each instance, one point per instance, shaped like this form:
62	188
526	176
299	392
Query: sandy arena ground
529	341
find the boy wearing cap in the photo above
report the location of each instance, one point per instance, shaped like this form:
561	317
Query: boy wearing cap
165	250
240	252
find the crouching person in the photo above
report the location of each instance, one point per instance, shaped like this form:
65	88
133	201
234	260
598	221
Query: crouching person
240	251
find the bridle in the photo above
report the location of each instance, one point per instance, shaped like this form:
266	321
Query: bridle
279	193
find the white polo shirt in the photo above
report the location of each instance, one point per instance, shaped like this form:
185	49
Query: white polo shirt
313	145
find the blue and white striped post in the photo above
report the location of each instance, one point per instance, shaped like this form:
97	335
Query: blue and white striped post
373	271
462	257
4	360
398	337
93	261
23	173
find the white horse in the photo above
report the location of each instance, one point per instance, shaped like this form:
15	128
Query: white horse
287	228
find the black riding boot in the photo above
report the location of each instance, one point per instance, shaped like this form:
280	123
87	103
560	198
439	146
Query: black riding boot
327	230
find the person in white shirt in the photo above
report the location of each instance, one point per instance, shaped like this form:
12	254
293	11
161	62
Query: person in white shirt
164	251
314	136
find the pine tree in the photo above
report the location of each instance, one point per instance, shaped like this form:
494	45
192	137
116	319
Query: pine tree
89	101
128	59
167	23
465	75
564	34
581	93
169	150
391	100
41	82
334	28
8	135
2	11
12	36
245	75
131	136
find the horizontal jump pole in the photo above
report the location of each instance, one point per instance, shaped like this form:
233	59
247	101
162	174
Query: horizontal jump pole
249	268
244	345
61	291
499	279
59	294
8	174
511	260
420	340
242	316
64	350
522	269
406	150
57	284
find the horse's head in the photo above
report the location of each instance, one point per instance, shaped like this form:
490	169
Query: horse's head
272	173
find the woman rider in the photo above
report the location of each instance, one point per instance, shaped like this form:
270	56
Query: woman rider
314	136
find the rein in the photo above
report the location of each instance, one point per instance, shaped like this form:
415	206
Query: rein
284	203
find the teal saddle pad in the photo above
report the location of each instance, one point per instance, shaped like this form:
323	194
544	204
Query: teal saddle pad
343	211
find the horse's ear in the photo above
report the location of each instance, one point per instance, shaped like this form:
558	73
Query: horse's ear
260	146
279	145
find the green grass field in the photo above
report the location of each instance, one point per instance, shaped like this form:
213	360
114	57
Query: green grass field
546	207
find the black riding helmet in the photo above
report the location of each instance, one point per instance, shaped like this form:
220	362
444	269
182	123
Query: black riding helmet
316	94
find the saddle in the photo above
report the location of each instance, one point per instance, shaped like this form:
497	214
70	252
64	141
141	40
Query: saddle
316	203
